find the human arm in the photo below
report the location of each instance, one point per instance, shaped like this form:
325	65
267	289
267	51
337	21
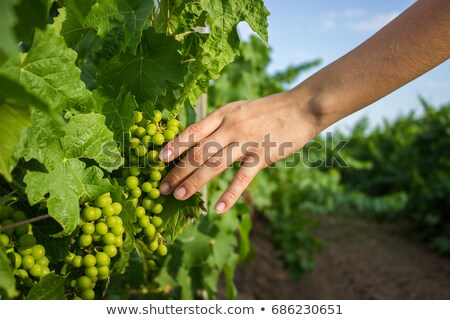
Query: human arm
413	43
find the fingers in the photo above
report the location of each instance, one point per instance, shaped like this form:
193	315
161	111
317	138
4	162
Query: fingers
195	158
212	167
240	182
191	136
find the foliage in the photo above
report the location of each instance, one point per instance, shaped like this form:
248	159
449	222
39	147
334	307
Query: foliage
69	94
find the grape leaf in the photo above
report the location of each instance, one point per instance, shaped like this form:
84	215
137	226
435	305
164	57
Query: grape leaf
177	215
7	280
60	147
146	73
50	287
123	17
9	43
14	117
48	71
31	14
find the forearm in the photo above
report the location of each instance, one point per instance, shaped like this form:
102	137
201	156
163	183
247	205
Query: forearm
412	44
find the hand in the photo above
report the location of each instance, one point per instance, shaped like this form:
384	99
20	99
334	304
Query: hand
256	133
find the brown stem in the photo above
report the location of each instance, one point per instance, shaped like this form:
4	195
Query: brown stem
20	223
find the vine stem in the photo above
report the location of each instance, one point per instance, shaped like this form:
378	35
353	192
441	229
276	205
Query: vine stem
20	223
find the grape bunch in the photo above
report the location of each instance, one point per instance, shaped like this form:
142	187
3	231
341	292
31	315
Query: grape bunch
144	173
97	240
27	257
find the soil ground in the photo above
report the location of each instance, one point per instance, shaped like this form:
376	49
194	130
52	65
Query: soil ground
359	260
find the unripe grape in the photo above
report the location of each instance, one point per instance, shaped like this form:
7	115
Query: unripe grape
133	129
117	208
45	271
140	212
25	251
134	171
103	272
155	184
151	129
144	221
101	228
84	240
89	214
27	241
138	116
118	230
174	129
154	194
89	260
77	261
140	132
157	222
87	294
91	272
147	203
136	192
27	261
38	252
135	142
110	250
103	200
153	155
21	230
162	249
169	135
146	187
18	216
172	123
153	245
155	175
6	212
21	273
147	141
16	259
158	139
114	221
132	182
119	241
4	240
36	270
157	116
157	208
108	210
150	230
88	228
102	259
43	261
109	238
84	283
5	223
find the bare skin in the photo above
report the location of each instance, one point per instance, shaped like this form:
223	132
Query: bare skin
415	42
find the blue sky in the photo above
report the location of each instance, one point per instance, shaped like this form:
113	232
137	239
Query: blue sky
301	30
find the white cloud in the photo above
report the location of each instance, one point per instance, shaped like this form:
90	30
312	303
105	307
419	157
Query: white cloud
374	22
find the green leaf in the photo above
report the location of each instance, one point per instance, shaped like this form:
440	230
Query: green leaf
31	14
147	73
177	215
13	118
50	287
7	280
12	90
48	71
8	43
61	148
120	17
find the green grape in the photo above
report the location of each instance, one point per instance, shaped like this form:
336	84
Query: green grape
96	237
138	117
16	259
155	184
160	166
174	129
110	250
146	187
27	261
140	132
87	294
135	142
21	273
8	222
117	208
77	261
132	182
144	221
112	222
101	228
136	192
169	135
119	241
88	214
154	194
6	212
25	251
158	139
38	252
91	272
27	241
153	245
157	116
21	230
36	270
150	230
134	201
134	171
153	155
103	200
155	175
4	239
140	212
84	283
157	221
162	250
69	258
151	129
157	208
147	203
134	160
103	272
18	216
109	238
146	141
173	123
89	260
45	271
98	213
108	210
133	129
88	228
102	259
43	261
152	265
84	240
140	150
118	231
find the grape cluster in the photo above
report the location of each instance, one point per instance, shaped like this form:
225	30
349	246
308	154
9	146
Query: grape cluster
98	239
144	173
27	257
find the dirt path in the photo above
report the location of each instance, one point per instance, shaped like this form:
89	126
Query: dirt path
359	260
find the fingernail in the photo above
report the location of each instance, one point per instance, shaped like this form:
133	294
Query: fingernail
180	193
220	207
164	188
165	154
